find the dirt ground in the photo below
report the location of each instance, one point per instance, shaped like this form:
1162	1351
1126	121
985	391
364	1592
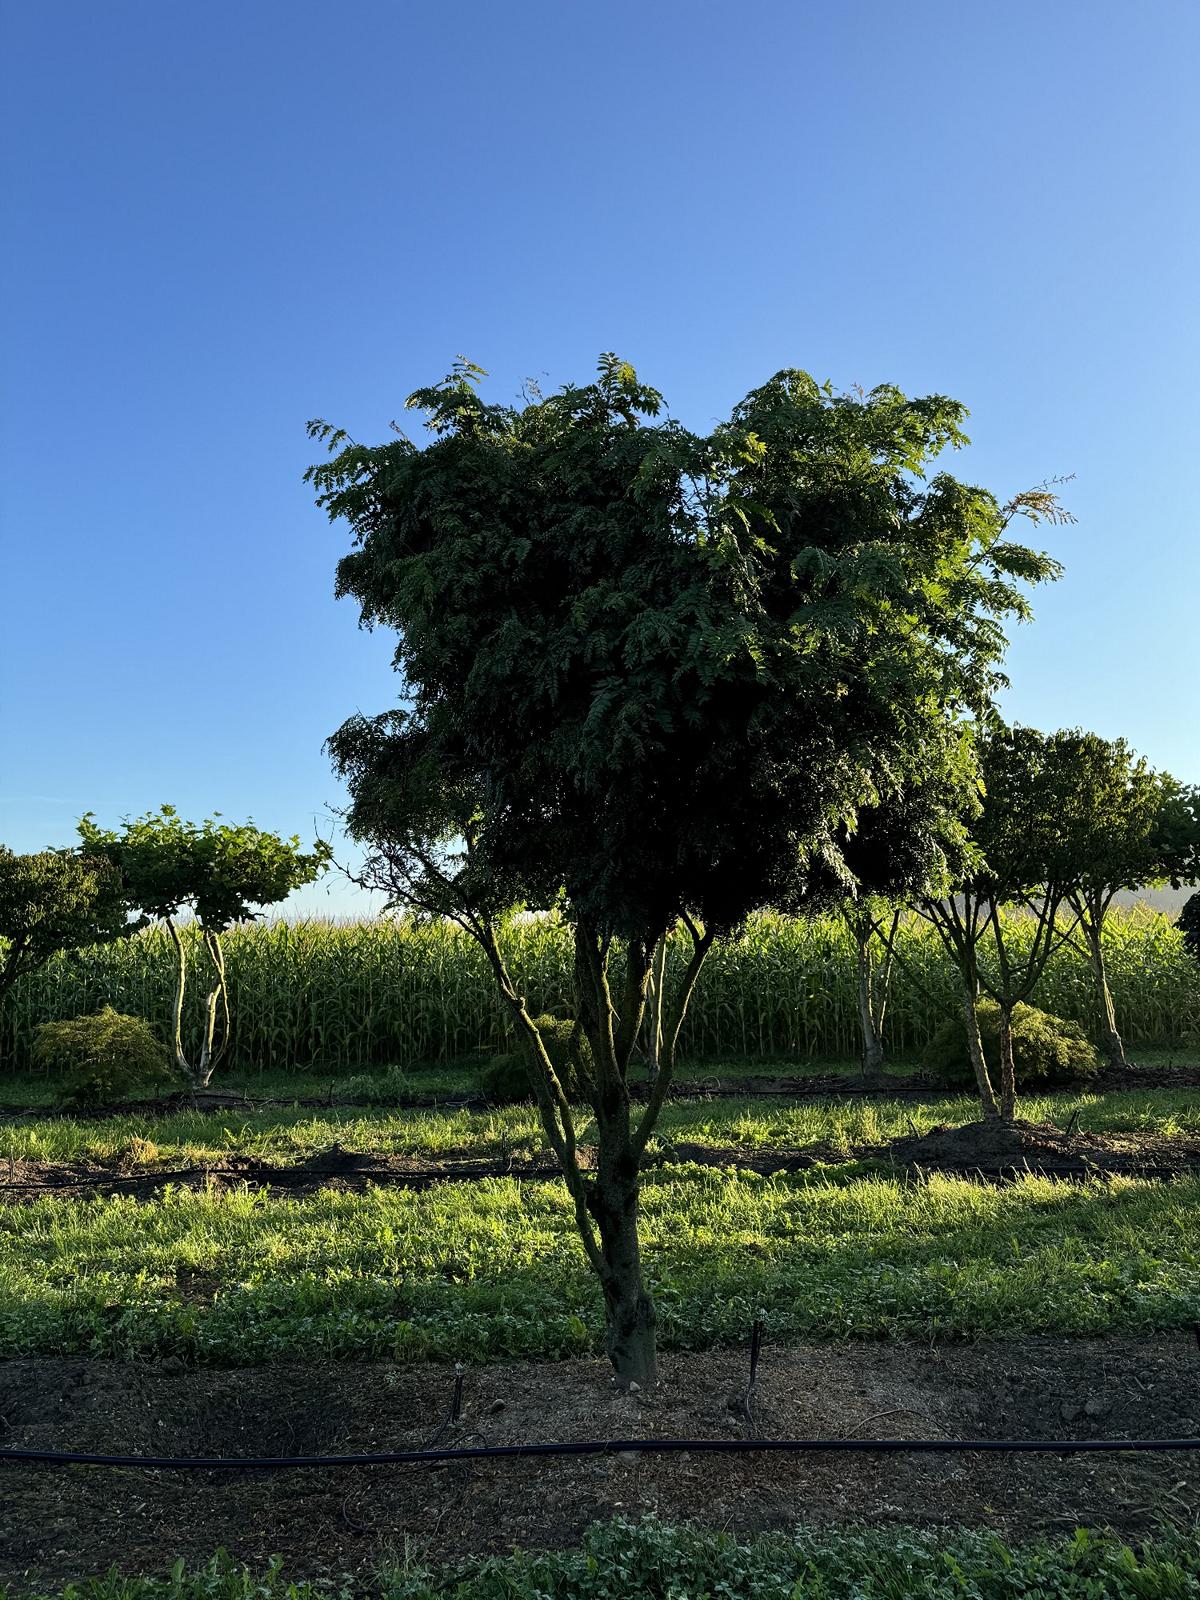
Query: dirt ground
975	1150
63	1523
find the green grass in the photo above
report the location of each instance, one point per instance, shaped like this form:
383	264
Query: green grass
289	1133
494	1269
621	1559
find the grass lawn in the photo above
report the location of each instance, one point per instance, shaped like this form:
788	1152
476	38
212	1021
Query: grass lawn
494	1269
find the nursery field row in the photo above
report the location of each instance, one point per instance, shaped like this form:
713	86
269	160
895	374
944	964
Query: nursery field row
494	1269
346	997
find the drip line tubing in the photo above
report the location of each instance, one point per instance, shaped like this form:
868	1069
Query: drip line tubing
598	1447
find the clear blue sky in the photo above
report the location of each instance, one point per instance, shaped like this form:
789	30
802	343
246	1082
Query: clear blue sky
223	219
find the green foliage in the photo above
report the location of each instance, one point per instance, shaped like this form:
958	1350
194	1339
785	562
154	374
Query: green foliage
506	1077
218	870
649	1559
492	1270
52	901
727	643
1189	925
348	998
101	1058
1046	1050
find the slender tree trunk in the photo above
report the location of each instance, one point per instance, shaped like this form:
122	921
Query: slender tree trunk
872	1052
654	1009
987	1095
1111	1042
1008	1070
181	1060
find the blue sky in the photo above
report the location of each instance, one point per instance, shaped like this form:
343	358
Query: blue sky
224	219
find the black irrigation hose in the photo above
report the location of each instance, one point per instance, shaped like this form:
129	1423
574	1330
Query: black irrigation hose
603	1447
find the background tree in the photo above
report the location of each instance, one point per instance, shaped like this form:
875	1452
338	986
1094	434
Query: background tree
55	900
648	675
1132	828
912	845
216	871
1022	839
1189	924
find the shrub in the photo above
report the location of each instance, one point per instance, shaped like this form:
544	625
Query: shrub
378	1089
1046	1049
102	1057
1189	926
506	1077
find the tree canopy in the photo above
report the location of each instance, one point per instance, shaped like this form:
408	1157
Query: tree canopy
654	668
54	900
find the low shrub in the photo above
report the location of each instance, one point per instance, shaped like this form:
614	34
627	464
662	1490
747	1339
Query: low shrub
506	1077
1046	1049
103	1057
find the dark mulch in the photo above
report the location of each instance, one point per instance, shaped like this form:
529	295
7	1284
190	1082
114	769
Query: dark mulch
977	1150
997	1150
65	1523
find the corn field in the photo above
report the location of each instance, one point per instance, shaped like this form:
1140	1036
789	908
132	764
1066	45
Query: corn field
348	997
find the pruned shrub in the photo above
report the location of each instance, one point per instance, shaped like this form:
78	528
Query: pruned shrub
1189	926
506	1077
103	1057
1046	1049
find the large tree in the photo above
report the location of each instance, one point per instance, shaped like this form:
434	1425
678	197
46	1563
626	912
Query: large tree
55	900
648	675
217	873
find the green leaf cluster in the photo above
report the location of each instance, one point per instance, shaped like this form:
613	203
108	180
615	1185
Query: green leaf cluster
219	871
664	671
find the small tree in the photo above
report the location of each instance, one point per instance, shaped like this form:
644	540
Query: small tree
910	845
1131	827
216	871
55	900
1022	838
648	675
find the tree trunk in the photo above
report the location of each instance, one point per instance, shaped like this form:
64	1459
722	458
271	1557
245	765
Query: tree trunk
987	1094
181	1060
629	1335
654	1009
1008	1070
1111	1042
872	1052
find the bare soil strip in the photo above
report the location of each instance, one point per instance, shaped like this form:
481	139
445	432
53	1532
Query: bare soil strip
974	1151
65	1523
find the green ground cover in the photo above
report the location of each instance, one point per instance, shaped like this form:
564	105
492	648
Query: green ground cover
494	1269
291	1133
619	1560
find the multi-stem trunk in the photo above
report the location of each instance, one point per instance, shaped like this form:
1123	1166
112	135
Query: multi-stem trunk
606	1200
870	1007
987	1095
216	1004
654	1009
